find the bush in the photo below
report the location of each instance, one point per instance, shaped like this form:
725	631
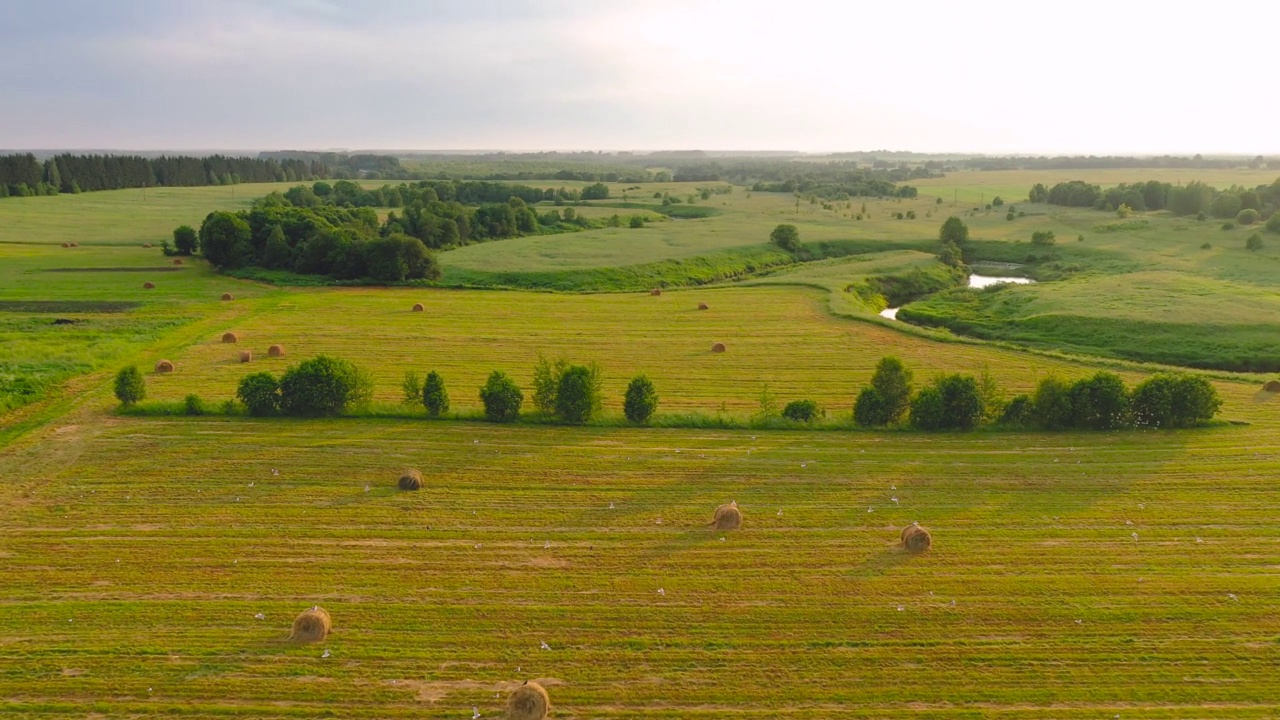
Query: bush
260	393
1051	404
193	405
1206	246
870	410
1273	223
1228	226
641	400
1225	205
801	411
950	402
185	240
546	383
130	387
1172	400
953	231
892	380
435	398
1018	412
1043	238
1248	216
786	237
1009	215
636	222
323	386
578	396
1253	242
501	397
1100	402
411	388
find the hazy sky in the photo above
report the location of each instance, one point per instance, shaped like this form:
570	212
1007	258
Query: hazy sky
1066	76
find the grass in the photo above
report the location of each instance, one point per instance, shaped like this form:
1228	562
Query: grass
138	552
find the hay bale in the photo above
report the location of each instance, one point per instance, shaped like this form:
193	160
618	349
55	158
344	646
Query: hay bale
703	306
418	307
164	366
228	296
529	702
410	479
246	356
75	245
311	625
177	261
718	347
728	517
148	286
146	245
655	291
66	245
916	539
229	337
275	351
1272	386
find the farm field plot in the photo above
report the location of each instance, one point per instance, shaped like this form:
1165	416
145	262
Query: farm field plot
153	566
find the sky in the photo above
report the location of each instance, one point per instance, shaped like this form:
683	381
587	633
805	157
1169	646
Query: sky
1077	77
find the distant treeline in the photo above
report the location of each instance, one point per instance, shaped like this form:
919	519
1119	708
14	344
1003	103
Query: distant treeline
346	166
1091	162
1193	198
23	175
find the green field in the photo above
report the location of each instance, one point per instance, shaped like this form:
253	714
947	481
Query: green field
1073	575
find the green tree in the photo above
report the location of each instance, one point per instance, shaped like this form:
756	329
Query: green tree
226	240
786	237
578	394
501	397
1248	216
927	410
130	387
954	231
1038	194
1100	402
1170	400
870	410
435	398
804	411
185	240
640	401
400	257
260	393
277	255
636	222
411	388
892	380
1051	404
1225	205
546	383
1253	242
1043	238
323	386
1273	223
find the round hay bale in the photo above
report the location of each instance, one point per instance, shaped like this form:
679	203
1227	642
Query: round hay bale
148	286
728	517
410	479
703	306
229	337
916	539
529	702
311	625
228	296
146	245
1272	386
75	245
718	347
177	261
164	366
66	245
418	307
275	351
655	291
246	356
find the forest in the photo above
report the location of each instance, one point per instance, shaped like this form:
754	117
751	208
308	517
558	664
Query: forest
23	175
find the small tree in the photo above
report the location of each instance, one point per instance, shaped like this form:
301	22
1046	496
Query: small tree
1248	216
130	387
1017	413
927	411
1273	223
323	386
435	398
954	231
786	237
411	387
636	222
546	383
892	380
1043	238
1171	400
501	397
578	396
1253	242
1051	404
260	393
804	411
870	410
185	240
1100	402
641	400
1123	211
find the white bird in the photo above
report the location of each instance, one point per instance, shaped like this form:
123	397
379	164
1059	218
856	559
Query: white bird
1128	522
260	616
475	442
251	484
610	506
547	545
1135	537
779	512
478	545
1233	597
366	488
870	510
1079	622
893	487
899	608
658	521
117	559
1197	540
148	689
753	437
475	713
803	465
326	653
662	592
545	646
677	451
237	498
894	499
275	471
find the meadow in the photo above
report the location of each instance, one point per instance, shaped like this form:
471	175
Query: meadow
152	565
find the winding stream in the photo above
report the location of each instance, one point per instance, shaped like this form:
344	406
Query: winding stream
975	281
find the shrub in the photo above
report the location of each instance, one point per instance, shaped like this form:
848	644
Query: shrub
578	396
1100	402
411	387
193	405
997	201
950	402
1225	205
1228	226
641	400
185	240
1172	400
953	231
1253	242
546	383
892	380
801	411
1273	223
435	398
1123	211
1051	404
1206	246
1009	215
870	410
786	237
323	386
1201	216
636	222
260	393
1248	216
1043	238
130	387
1018	412
501	397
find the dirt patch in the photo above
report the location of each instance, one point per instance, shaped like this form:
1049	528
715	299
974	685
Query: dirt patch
74	672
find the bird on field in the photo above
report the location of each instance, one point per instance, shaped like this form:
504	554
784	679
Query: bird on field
1135	537
547	545
779	512
275	471
251	484
1079	622
610	506
260	616
326	653
545	646
893	487
870	510
894	499
1233	597
1197	540
662	592
475	713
